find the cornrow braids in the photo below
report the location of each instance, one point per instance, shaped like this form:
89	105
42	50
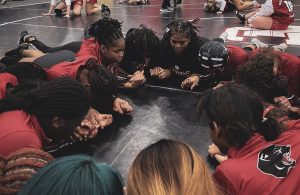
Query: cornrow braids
106	31
139	40
62	97
26	70
103	86
182	26
101	78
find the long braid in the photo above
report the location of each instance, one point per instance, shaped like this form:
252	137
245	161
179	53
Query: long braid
62	97
180	26
106	31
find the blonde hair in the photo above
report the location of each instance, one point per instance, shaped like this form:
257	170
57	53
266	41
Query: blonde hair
170	167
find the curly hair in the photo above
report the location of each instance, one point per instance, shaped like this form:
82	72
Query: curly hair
257	74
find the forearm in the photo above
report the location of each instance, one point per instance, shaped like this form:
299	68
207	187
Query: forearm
242	6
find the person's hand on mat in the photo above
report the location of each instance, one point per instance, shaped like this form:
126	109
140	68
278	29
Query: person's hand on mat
84	131
190	82
97	119
213	150
154	71
282	102
46	14
121	106
222	84
136	79
67	16
160	72
295	110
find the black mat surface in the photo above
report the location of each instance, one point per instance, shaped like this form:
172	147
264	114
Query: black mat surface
159	112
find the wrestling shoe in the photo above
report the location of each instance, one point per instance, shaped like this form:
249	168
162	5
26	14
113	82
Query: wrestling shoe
240	16
105	9
258	43
281	47
58	12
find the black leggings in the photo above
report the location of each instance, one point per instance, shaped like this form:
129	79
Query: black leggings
73	46
54	58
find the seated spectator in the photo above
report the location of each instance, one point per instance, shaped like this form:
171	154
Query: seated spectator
220	6
261	158
75	175
273	15
18	167
180	170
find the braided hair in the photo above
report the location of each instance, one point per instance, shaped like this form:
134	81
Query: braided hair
140	40
63	97
182	26
106	31
26	70
103	85
20	166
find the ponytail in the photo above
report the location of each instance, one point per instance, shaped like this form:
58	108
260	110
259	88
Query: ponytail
270	129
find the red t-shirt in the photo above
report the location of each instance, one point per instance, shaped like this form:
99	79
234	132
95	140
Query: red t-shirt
18	130
89	49
6	78
262	167
283	11
291	69
237	56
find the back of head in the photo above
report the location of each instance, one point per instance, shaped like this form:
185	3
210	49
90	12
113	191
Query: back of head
239	113
141	40
103	86
257	74
182	27
106	31
20	166
26	70
170	167
63	97
213	55
75	175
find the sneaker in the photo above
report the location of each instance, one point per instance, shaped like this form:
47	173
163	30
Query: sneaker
224	36
171	8
258	43
105	8
165	10
21	38
240	16
281	47
58	12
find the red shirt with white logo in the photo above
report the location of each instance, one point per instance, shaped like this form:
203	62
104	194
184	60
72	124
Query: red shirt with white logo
262	167
283	11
